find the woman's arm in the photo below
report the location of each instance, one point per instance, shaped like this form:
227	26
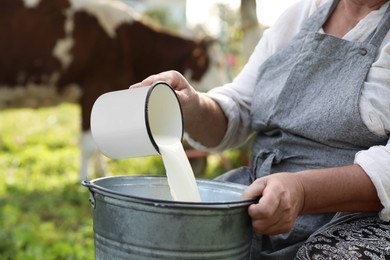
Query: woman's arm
205	122
284	196
345	188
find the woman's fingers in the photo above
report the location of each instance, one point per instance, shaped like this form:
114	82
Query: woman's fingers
173	78
279	205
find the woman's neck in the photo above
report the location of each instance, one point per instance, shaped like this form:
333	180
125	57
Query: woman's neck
348	14
360	8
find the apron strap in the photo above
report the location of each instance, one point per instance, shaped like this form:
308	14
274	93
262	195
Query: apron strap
314	24
377	36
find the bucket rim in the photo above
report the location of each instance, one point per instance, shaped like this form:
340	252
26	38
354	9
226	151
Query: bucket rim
93	187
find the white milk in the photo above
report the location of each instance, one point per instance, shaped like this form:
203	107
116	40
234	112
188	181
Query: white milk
180	176
165	123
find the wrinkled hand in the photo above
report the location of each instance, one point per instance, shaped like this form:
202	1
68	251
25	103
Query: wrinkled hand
203	118
186	94
282	200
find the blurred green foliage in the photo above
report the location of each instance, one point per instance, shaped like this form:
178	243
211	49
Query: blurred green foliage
161	18
44	211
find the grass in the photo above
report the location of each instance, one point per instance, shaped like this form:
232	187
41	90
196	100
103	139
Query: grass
44	211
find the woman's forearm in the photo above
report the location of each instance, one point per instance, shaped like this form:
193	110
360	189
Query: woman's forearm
345	189
207	123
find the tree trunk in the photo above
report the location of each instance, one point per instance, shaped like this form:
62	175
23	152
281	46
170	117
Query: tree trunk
250	26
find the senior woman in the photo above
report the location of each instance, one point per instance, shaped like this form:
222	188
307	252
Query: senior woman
316	94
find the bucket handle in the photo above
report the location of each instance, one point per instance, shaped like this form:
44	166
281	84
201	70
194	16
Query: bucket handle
91	199
91	185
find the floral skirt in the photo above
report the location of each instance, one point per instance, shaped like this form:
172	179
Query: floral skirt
362	238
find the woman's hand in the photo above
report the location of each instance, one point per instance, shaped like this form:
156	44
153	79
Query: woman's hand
286	195
173	78
187	95
282	200
204	120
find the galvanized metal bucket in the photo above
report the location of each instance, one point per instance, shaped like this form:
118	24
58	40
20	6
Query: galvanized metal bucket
135	218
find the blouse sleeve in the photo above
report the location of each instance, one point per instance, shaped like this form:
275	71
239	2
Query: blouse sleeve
376	163
375	106
235	98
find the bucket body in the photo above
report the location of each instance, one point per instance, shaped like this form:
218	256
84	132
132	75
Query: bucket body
135	218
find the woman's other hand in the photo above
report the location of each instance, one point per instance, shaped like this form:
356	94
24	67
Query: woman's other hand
282	200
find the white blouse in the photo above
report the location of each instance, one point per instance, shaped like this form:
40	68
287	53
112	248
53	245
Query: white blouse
235	98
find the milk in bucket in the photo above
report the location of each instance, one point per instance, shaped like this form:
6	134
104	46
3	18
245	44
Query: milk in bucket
141	122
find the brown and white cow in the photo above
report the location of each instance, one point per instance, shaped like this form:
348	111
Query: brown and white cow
53	51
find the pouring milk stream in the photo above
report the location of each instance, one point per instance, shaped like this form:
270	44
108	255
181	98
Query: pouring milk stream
180	176
146	121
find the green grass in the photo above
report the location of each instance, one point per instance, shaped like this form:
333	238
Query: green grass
44	211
